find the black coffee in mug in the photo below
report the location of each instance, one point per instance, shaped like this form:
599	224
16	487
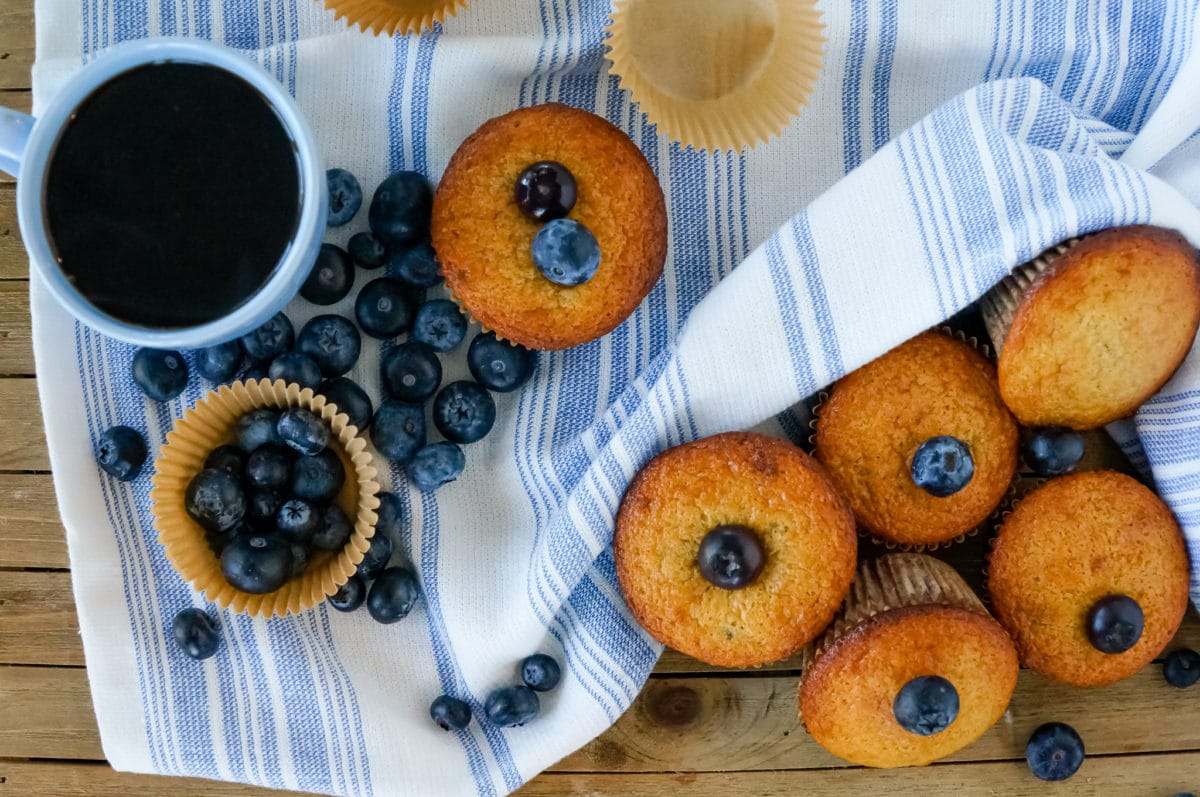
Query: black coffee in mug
172	194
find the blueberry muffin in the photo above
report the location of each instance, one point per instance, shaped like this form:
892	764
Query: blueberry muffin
919	441
1090	330
734	549
1090	576
550	226
912	670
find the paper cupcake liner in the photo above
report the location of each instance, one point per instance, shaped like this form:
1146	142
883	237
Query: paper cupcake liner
716	75
999	305
394	16
210	424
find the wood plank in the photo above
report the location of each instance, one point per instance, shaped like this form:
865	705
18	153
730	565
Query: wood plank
16	43
38	624
30	528
23	444
14	264
16	334
46	712
28	778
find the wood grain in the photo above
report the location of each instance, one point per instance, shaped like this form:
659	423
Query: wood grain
16	43
30	530
13	262
23	443
30	779
16	336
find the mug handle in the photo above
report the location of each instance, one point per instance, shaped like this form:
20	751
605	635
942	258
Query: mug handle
14	133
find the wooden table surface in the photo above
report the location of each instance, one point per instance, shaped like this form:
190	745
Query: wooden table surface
694	727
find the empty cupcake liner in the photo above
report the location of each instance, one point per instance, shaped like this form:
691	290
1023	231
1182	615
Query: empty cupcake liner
394	16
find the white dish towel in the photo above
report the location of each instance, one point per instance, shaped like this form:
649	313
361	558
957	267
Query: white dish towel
783	274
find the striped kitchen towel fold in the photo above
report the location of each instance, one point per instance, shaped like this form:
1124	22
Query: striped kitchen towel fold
789	266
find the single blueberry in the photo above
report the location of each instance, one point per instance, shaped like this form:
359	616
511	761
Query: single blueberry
162	375
926	705
401	208
1114	624
345	196
219	540
256	428
261	508
393	594
942	466
540	672
196	634
1181	668
297	520
295	368
332	341
435	464
228	458
350	595
299	560
331	277
269	467
398	430
376	558
366	250
318	478
417	266
258	563
348	397
511	706
450	713
412	372
464	412
1054	751
499	365
121	452
219	363
303	431
383	308
334	530
215	500
545	191
440	324
1052	451
270	340
389	516
566	252
731	556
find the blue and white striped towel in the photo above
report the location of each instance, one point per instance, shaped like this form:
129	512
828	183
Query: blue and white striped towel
514	557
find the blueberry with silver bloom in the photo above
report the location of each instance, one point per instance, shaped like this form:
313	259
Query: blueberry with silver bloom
376	558
401	208
297	520
417	266
464	412
393	594
436	464
331	277
332	341
1052	451
257	427
269	467
1114	624
295	368
926	705
220	362
540	672
450	713
1181	668
499	365
398	430
366	250
345	196
566	252
512	706
412	372
228	458
731	556
257	564
270	340
121	453
215	500
1054	752
261	507
350	595
349	398
942	466
318	478
383	308
303	431
389	517
439	324
196	634
161	375
333	531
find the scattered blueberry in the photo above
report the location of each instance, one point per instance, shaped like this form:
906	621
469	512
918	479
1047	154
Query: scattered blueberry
334	530
121	452
270	340
332	341
417	266
331	277
345	196
366	250
219	363
511	706
348	397
1114	624
299	560
412	372
1181	668
257	427
303	431
269	467
1052	451
230	459
499	365
450	713
162	375
376	558
398	430
215	500
926	705
566	252
383	308
350	595
196	634
942	466
1054	751
318	478
540	672
731	556
545	191
440	324
393	594
401	208
297	520
389	520
259	563
261	508
436	464
295	368
464	411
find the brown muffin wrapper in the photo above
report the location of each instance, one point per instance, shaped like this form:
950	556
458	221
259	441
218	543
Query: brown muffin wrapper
394	16
208	425
999	305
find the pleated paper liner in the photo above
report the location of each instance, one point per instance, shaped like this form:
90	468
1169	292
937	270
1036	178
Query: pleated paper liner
999	305
394	16
716	74
210	424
